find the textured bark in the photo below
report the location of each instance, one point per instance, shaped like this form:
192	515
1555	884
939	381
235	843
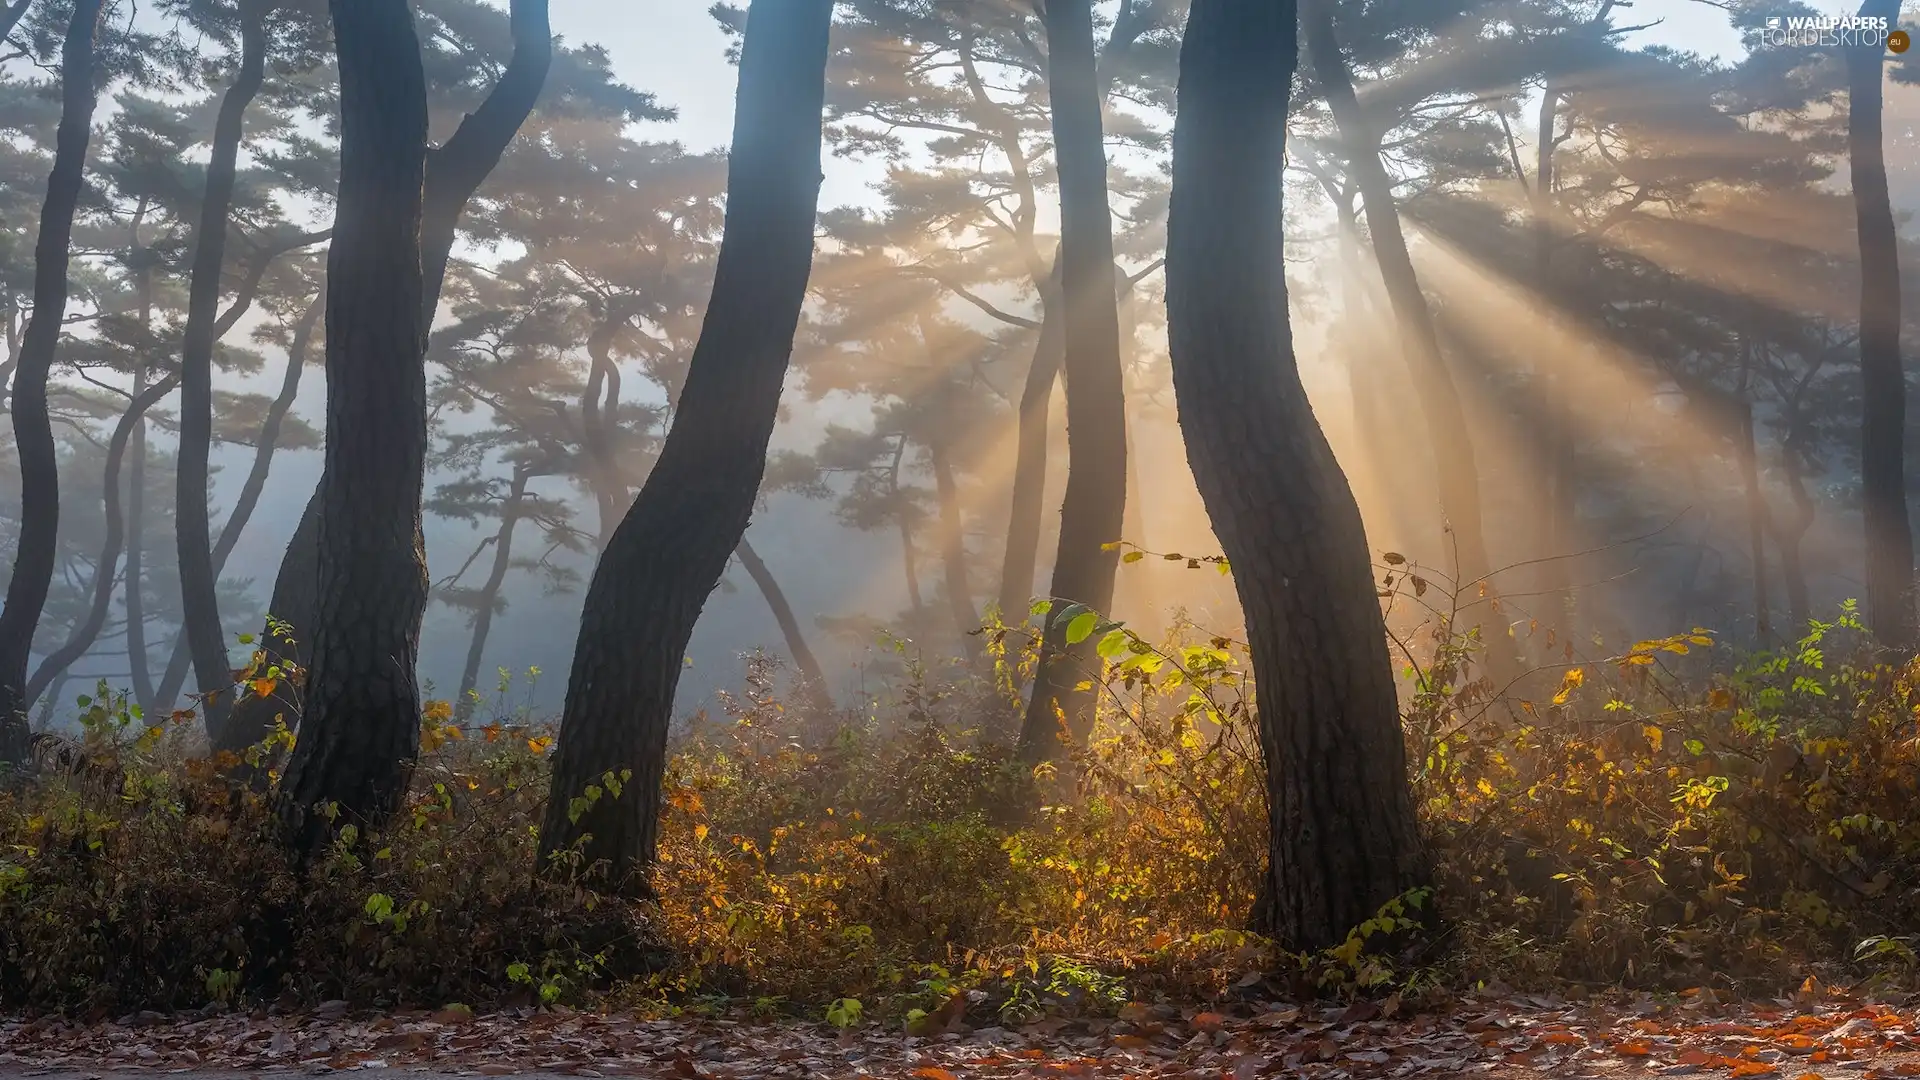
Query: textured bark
813	679
490	592
1093	510
672	547
1889	532
360	727
285	640
1458	475
104	576
200	603
1342	832
32	427
1030	455
456	169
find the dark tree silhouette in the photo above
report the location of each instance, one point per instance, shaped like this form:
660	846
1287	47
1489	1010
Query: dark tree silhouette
1343	836
360	730
670	550
32	427
1883	417
200	604
1093	509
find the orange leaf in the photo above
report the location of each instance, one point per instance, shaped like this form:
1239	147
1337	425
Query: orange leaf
1634	1048
1693	1057
1561	1038
1131	1042
1208	1021
1753	1068
932	1073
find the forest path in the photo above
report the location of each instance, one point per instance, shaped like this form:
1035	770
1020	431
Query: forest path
1516	1037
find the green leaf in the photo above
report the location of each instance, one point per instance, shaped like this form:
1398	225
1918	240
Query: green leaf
1041	607
1114	643
1133	556
1082	627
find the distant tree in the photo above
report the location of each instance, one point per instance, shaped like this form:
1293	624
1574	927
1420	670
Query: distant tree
673	545
33	432
1342	835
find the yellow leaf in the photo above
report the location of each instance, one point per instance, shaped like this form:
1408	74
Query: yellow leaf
1654	736
1720	698
438	711
700	832
539	743
1568	684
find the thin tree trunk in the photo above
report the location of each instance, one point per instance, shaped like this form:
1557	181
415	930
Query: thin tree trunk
673	546
1459	479
456	168
1554	500
1030	455
490	592
599	421
1788	535
1094	508
813	677
953	549
32	426
1342	835
1889	533
104	576
255	484
199	598
1757	521
139	664
1140	579
910	567
360	728
11	15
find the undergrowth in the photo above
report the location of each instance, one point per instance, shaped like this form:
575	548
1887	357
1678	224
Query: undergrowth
1669	816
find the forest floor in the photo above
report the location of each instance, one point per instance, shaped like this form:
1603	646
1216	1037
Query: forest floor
1522	1037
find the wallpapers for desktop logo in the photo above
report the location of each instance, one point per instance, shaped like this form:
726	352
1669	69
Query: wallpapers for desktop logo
1835	31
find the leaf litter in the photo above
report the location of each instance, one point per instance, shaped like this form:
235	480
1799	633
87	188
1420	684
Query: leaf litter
1524	1037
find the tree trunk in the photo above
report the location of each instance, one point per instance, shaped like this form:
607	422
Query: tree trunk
1342	832
1553	500
139	664
1788	535
1757	521
599	420
1030	456
1093	510
1141	579
11	15
1458	476
453	172
285	643
32	426
672	547
88	631
953	549
1889	533
199	599
360	728
490	593
255	483
813	678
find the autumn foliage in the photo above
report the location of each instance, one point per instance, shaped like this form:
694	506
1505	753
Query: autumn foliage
1667	816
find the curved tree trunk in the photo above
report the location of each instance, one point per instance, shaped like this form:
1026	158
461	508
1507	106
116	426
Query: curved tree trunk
1093	510
813	677
200	602
284	642
32	427
1030	455
88	631
1458	475
360	728
452	173
1342	835
254	485
672	547
1889	532
490	593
